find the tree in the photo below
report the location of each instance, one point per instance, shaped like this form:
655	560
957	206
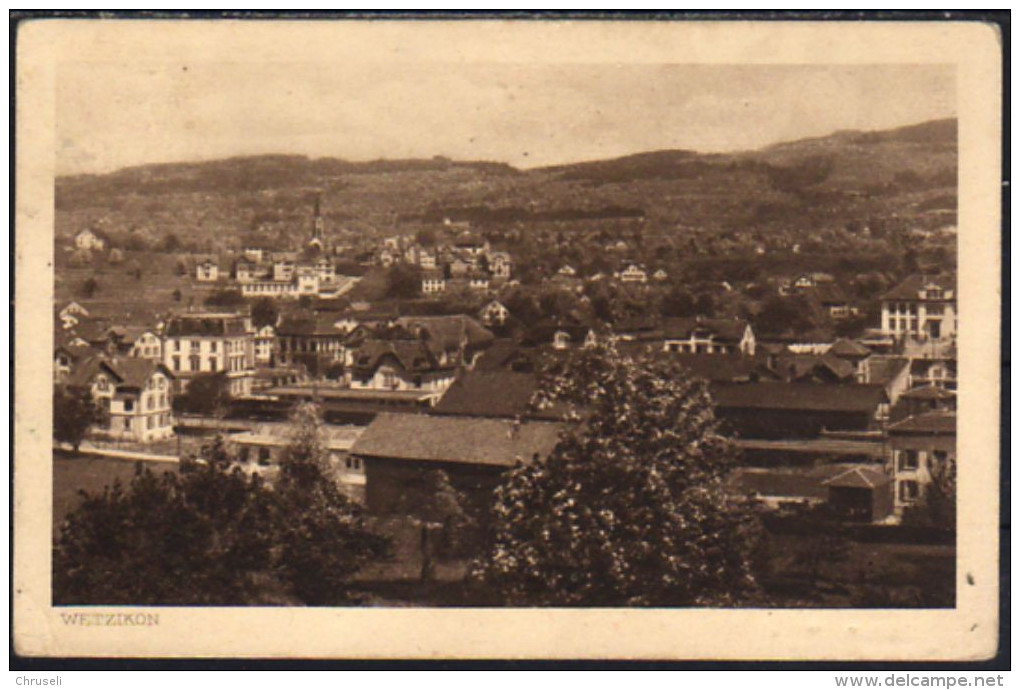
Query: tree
426	237
324	540
207	394
176	295
225	298
181	268
630	508
403	281
785	315
170	243
264	312
89	288
210	534
203	535
74	413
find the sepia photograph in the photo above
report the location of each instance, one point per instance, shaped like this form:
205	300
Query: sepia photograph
463	328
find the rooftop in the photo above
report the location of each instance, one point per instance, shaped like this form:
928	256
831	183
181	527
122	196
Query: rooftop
927	423
799	396
467	440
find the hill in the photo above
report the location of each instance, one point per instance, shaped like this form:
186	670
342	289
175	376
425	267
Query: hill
905	175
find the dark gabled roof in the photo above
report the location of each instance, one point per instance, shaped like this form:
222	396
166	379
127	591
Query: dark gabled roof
466	440
77	352
447	332
927	423
726	330
799	396
414	356
847	348
910	288
205	324
130	372
493	394
929	392
794	367
882	369
502	355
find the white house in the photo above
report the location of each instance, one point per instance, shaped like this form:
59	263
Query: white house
708	336
89	240
207	271
433	282
634	274
494	313
921	308
135	392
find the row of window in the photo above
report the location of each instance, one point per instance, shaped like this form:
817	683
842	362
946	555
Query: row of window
910	460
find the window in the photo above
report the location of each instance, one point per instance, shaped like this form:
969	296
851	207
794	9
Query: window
264	456
129	404
151	402
177	346
162	399
150	422
909	491
908	460
161	383
194	362
101	384
212	346
127	424
177	363
212	364
195	345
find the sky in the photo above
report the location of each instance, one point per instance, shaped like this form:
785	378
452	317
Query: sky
113	115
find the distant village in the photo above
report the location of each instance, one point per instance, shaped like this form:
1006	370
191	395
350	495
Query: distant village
857	420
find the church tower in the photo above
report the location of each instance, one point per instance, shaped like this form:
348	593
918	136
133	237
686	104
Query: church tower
318	239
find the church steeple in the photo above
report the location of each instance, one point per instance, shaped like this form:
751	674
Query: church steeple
318	238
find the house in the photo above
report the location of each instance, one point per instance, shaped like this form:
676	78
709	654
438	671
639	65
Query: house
633	274
834	301
260	450
660	275
936	371
207	271
711	336
861	493
254	253
782	410
890	372
851	352
311	340
501	265
135	392
400	451
560	334
203	343
140	341
265	346
283	270
928	398
567	272
493	313
433	282
478	281
921	308
811	368
71	314
918	444
89	240
460	267
471	245
501	393
246	271
68	356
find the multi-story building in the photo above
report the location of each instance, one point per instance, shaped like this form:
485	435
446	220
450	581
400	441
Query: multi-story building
921	308
265	346
917	445
205	343
135	392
